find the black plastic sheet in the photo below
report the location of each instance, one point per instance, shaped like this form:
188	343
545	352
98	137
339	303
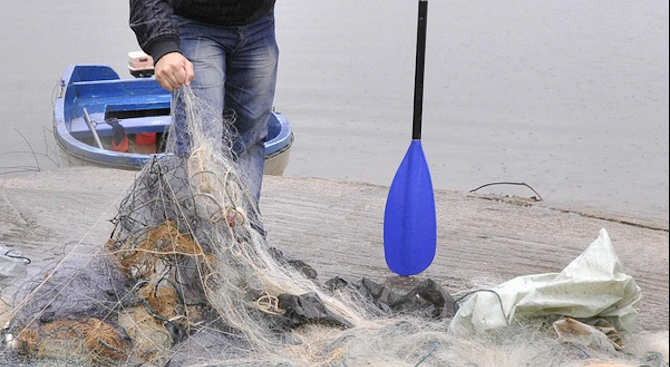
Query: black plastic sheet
428	298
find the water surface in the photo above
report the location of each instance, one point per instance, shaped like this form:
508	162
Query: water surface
568	96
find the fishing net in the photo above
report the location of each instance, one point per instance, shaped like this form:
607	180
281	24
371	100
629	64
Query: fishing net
187	278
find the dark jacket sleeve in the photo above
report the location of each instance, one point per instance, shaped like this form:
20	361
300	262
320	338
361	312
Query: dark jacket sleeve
151	20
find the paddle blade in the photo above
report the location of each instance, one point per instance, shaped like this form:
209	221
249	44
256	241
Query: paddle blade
410	228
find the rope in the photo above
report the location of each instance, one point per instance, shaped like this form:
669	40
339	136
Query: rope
502	306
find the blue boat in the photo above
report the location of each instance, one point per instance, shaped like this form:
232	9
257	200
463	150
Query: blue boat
92	94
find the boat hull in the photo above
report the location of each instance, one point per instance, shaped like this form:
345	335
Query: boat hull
275	164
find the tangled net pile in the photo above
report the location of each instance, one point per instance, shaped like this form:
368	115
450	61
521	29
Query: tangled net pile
187	278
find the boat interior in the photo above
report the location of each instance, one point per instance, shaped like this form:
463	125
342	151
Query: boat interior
139	105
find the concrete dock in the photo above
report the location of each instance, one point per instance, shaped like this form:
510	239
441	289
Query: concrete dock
337	228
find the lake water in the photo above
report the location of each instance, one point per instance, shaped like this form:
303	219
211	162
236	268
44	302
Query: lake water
568	96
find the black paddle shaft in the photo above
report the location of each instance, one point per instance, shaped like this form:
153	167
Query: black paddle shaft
420	66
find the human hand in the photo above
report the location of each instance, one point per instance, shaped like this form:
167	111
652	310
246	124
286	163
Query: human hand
173	70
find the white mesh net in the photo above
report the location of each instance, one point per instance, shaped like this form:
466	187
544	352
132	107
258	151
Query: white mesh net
187	278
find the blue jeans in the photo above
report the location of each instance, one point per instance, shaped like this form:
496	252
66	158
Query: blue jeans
235	68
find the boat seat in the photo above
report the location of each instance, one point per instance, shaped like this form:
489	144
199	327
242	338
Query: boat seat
79	128
120	98
119	87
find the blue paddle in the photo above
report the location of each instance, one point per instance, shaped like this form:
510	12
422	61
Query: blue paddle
410	228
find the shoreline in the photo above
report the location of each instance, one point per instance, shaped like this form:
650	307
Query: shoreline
337	226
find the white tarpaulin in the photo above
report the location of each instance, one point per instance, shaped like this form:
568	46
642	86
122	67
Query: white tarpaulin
593	286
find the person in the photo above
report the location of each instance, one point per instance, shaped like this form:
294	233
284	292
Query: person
226	50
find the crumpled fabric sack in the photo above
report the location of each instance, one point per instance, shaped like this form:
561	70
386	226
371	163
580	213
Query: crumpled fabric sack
593	286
